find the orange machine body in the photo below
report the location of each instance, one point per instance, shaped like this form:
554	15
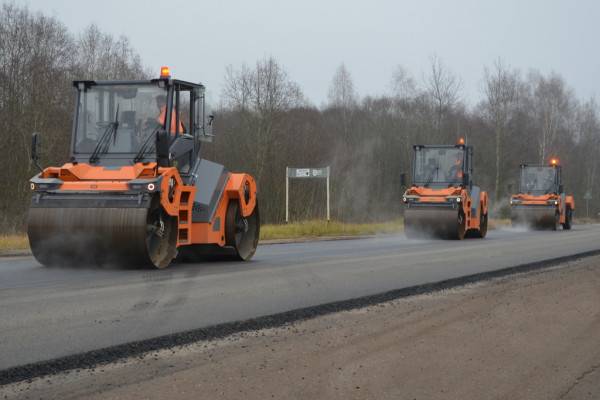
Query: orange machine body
560	203
544	203
136	192
446	195
176	197
442	200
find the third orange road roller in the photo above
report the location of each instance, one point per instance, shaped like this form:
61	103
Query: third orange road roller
442	200
136	190
541	202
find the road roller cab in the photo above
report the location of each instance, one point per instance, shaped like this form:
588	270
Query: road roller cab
136	190
442	200
541	202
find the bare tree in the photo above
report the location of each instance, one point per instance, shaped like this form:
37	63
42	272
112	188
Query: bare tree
403	84
443	88
101	56
501	88
341	91
552	107
588	135
261	97
343	105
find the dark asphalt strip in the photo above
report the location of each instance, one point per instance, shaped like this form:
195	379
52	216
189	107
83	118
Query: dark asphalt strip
95	358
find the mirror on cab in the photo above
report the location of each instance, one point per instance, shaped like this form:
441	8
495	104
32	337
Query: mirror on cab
403	179
35	150
203	117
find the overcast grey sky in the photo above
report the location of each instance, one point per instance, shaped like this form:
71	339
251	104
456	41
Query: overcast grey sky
198	39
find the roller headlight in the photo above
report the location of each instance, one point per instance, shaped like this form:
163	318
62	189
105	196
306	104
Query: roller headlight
410	198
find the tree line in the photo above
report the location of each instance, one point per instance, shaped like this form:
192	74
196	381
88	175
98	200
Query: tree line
264	123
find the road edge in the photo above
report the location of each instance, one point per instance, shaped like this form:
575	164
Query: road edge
304	239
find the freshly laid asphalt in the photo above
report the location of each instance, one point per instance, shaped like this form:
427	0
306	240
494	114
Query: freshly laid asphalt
49	313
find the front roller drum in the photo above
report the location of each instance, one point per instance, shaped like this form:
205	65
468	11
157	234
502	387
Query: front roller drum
436	222
535	217
102	236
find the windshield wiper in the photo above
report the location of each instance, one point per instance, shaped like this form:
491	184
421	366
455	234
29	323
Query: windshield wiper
430	179
145	146
102	145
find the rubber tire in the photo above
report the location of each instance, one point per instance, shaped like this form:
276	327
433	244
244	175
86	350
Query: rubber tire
554	227
461	229
483	225
568	219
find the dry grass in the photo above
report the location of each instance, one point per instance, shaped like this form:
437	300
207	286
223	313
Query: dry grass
318	228
13	242
584	220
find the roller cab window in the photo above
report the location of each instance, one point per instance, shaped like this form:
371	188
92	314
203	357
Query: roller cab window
117	118
439	166
539	180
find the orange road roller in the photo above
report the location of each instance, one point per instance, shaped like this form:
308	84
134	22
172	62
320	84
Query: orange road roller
541	202
442	201
136	190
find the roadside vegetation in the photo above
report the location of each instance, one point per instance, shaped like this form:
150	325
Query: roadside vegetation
13	242
319	228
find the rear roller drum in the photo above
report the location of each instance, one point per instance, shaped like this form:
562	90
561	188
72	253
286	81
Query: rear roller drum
535	218
568	219
242	233
444	223
462	226
161	236
483	227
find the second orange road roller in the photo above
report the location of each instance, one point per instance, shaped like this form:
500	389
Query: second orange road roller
442	201
541	202
136	190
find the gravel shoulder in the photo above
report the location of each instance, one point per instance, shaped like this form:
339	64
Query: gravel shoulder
528	336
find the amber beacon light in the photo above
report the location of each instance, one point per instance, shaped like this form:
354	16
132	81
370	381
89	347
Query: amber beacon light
165	72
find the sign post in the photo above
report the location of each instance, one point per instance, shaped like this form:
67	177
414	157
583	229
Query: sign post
304	173
587	197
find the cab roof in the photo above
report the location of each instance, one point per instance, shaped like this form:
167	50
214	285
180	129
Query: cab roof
168	81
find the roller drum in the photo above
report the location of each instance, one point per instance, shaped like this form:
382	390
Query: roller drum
430	221
102	236
537	217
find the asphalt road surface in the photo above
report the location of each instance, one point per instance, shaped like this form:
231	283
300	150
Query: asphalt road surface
47	313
